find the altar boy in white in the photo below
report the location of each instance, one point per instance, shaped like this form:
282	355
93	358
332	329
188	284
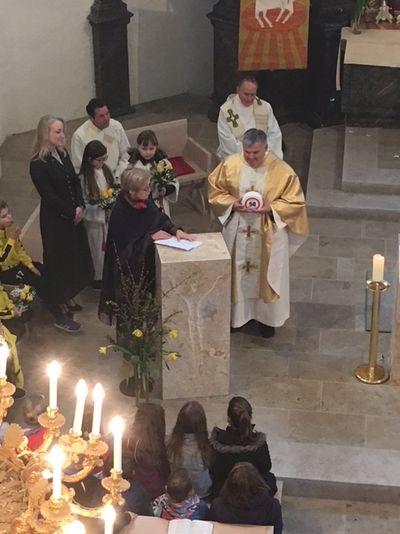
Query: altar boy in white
260	240
243	111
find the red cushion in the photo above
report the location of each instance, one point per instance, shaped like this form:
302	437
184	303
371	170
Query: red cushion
180	166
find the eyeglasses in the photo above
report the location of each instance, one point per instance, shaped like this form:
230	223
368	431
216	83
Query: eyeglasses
102	158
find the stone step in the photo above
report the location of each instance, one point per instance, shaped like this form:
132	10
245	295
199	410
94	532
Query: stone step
371	162
324	195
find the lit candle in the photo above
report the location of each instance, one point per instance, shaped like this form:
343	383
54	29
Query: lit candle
53	370
76	527
109	519
98	396
378	264
56	459
117	428
4	353
81	392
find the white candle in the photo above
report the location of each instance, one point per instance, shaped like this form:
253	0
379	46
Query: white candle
53	370
378	264
81	392
4	353
56	459
117	428
98	396
109	519
76	527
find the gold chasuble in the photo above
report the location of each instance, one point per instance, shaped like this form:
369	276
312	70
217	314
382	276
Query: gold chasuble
260	247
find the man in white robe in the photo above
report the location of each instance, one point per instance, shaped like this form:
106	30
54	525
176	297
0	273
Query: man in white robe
102	127
241	112
260	240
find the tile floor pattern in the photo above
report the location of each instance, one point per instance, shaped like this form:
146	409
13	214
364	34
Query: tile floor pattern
321	423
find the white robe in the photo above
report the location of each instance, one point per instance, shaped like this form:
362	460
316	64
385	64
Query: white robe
228	144
96	226
236	228
113	137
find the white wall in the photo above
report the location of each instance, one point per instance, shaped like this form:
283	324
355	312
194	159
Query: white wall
47	63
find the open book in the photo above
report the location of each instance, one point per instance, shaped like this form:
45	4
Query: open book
183	244
186	526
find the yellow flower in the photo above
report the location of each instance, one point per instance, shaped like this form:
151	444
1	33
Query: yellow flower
172	356
173	334
137	333
160	168
167	165
103	193
110	192
29	297
103	350
26	289
22	296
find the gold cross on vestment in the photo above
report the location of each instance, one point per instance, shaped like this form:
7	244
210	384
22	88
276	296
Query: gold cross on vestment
249	266
233	118
249	231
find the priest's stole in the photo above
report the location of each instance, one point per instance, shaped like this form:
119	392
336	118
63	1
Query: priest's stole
273	34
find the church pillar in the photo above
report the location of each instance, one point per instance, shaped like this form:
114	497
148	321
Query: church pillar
109	20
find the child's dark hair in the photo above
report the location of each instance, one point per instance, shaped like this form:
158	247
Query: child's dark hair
191	420
146	138
93	150
147	436
179	485
240	413
3	205
34	405
244	483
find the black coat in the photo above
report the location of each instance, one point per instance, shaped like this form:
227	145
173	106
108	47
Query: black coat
130	248
227	450
261	510
66	254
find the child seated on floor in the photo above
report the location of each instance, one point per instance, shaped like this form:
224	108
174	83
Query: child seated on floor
146	156
179	501
34	405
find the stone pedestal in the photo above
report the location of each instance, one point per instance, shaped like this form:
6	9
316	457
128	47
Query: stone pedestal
109	20
395	341
195	288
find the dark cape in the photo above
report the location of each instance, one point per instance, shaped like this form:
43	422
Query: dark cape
67	260
130	249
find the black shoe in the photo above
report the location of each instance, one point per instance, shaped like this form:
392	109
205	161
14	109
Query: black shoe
19	393
235	330
96	285
75	307
266	330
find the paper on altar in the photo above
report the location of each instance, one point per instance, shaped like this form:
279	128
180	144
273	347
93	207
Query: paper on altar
183	244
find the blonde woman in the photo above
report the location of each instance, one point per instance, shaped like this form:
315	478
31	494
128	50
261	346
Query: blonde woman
66	256
135	224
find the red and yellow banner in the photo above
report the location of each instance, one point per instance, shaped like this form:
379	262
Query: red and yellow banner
273	34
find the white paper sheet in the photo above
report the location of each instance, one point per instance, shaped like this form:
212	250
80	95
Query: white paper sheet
183	244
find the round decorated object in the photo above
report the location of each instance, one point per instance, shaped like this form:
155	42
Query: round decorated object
252	200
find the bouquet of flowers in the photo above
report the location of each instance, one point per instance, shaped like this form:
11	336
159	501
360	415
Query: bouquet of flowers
163	175
108	197
22	297
141	335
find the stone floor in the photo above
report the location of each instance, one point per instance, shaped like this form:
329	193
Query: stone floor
335	441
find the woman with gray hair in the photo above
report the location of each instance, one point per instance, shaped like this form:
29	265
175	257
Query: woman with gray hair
135	224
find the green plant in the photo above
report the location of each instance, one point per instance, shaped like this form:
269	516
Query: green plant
359	9
141	335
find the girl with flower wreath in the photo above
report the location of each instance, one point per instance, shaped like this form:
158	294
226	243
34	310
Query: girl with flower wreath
97	180
149	156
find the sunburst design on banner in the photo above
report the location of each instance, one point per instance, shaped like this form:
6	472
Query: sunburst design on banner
273	34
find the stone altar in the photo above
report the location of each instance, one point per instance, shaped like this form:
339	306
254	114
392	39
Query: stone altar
195	286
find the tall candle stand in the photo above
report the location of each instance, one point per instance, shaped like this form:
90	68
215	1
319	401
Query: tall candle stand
371	373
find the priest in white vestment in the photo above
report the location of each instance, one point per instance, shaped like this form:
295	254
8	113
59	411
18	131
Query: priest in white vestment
260	240
243	111
102	127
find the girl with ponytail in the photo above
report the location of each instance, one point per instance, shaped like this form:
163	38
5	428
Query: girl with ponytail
239	442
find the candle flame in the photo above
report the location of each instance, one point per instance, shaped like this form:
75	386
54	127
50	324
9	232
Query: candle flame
53	368
117	425
98	392
56	457
81	389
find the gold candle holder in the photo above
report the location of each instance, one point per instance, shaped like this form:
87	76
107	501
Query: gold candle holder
371	373
7	391
115	485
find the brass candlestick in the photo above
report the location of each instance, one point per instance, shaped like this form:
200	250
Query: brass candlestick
7	391
371	373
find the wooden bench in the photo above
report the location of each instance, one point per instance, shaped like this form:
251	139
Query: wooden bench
174	140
